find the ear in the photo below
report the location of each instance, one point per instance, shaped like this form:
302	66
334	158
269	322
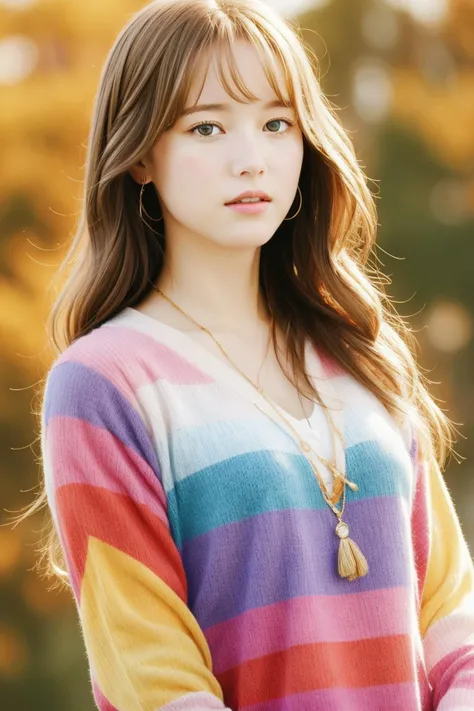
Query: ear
139	173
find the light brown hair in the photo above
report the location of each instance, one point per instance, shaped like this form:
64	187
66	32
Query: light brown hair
315	272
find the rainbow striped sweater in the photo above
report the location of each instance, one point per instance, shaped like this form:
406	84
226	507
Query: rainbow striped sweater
203	558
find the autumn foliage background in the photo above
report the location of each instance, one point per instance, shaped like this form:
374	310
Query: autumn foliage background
402	73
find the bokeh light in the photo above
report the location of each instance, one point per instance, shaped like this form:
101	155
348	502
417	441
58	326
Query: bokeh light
449	326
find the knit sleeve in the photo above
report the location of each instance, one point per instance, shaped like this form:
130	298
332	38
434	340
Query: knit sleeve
446	591
145	649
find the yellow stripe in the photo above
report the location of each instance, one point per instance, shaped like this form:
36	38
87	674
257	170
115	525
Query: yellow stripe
450	574
144	645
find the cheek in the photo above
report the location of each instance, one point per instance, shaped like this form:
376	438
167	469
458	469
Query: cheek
181	166
193	170
183	179
293	155
190	179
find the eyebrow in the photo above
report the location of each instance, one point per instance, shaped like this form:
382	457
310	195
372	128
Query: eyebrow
275	104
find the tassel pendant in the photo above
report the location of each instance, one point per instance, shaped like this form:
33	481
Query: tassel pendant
352	563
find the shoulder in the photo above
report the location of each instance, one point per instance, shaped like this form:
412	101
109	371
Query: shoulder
120	353
90	381
125	365
92	395
107	348
93	363
97	376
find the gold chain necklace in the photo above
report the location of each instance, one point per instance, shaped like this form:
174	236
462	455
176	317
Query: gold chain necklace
352	563
339	482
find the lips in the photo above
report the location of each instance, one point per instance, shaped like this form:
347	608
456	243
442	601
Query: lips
250	194
246	202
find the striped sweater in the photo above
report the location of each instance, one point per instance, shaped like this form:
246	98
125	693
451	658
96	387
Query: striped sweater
203	558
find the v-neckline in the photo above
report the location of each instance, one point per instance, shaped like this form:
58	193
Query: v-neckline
206	360
219	370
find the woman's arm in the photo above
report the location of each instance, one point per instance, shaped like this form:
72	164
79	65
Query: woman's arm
446	584
145	649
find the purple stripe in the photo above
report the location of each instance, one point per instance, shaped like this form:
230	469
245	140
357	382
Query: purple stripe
390	697
224	580
74	390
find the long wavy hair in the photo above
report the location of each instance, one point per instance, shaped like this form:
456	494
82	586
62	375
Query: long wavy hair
316	272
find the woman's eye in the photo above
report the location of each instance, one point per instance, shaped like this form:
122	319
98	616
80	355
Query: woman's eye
281	120
206	126
209	124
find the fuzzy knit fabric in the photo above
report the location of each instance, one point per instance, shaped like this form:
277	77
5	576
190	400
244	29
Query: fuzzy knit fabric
203	557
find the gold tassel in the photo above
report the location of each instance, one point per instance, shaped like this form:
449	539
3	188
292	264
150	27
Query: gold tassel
352	563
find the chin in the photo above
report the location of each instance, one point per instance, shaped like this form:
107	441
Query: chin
246	240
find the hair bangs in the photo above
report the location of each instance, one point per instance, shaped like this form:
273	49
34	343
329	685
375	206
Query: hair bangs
222	46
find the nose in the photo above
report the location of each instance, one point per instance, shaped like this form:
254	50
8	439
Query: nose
253	170
249	157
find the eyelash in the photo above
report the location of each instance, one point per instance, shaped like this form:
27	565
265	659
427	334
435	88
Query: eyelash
214	123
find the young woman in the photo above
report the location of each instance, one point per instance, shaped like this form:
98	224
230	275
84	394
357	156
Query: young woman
242	461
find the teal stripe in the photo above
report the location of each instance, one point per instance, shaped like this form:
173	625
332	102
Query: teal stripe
193	449
257	482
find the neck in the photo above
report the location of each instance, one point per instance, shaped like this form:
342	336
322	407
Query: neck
219	289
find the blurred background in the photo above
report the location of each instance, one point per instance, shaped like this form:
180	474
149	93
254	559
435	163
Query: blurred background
402	73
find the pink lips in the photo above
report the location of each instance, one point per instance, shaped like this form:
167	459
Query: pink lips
250	194
249	208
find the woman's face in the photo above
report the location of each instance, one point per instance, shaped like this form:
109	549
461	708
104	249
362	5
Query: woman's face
197	170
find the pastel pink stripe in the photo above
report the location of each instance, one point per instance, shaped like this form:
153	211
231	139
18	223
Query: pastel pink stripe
100	466
453	671
198	701
102	703
330	366
420	531
424	687
138	359
448	633
383	612
457	699
392	697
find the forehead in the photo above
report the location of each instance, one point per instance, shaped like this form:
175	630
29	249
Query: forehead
240	64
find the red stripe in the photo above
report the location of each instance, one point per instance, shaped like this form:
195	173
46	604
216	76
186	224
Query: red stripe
309	667
382	611
129	526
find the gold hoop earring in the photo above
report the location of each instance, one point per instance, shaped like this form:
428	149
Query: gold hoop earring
142	210
301	204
